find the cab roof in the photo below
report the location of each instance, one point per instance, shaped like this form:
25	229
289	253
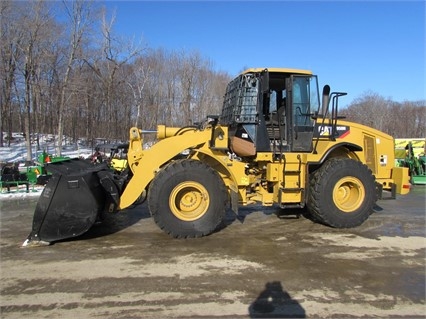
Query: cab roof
278	70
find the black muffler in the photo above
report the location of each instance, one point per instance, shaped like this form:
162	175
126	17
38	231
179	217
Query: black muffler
75	197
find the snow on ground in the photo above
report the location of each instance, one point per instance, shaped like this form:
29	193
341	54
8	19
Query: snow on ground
21	192
17	152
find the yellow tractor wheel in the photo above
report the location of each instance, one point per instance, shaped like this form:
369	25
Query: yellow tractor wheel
342	193
187	198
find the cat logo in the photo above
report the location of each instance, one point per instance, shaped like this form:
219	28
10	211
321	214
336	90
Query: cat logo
324	130
340	131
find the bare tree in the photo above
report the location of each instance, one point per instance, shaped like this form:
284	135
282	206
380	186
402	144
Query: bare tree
34	24
10	42
406	119
187	81
79	13
113	55
141	71
53	80
155	104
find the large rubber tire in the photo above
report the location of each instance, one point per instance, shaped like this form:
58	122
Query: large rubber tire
187	199
342	193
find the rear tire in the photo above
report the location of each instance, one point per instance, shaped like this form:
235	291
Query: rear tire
187	199
342	193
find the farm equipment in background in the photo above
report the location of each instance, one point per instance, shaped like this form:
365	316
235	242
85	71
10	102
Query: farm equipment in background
16	174
273	144
115	154
37	174
11	176
410	153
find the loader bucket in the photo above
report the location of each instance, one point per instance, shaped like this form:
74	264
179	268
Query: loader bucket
74	198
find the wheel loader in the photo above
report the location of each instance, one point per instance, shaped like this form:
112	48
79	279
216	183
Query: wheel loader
278	141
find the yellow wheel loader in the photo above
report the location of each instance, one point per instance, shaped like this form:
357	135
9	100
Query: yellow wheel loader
275	143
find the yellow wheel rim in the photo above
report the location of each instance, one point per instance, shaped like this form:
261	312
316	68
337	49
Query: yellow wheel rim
189	201
348	194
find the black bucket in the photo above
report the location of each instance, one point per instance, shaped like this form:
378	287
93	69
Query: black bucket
71	202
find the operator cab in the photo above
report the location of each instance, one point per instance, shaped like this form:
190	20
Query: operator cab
271	110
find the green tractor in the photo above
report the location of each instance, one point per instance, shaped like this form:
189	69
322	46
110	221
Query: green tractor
416	165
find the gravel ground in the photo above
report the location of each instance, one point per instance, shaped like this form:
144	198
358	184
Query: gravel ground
258	266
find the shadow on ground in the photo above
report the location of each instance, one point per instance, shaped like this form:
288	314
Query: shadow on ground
275	302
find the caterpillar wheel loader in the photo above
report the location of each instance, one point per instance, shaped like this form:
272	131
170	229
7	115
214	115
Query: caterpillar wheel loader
273	144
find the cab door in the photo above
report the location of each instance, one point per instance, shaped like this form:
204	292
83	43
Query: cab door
303	99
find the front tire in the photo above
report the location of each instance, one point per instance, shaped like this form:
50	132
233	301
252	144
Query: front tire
187	199
342	193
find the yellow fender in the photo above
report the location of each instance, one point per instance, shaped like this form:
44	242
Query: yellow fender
145	163
232	173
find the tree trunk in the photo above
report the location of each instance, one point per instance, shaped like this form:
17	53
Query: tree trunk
27	113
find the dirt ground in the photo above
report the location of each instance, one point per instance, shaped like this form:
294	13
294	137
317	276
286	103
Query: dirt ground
257	266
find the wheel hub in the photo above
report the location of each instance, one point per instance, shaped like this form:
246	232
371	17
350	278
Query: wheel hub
348	194
189	201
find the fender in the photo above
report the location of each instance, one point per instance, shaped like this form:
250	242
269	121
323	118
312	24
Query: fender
349	146
145	163
232	172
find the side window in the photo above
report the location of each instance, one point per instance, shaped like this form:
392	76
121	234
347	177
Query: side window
300	101
305	100
273	102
